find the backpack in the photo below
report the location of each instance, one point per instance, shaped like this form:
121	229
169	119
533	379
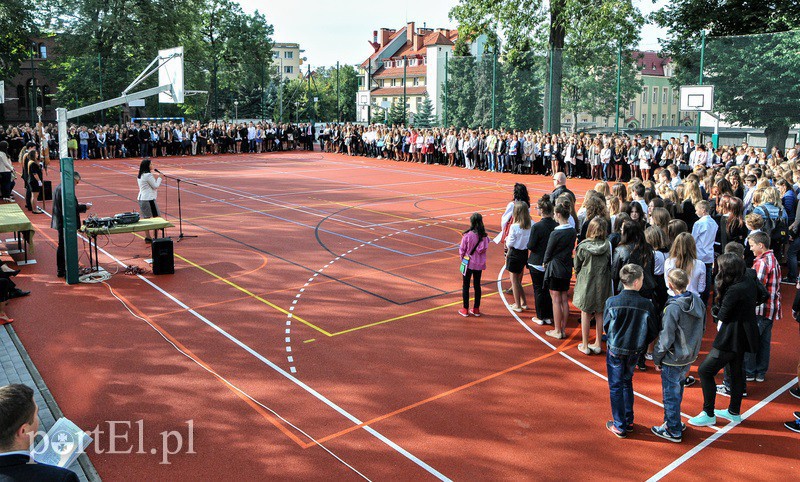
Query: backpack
778	230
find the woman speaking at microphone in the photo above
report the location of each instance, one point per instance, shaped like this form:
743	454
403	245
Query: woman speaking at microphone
148	191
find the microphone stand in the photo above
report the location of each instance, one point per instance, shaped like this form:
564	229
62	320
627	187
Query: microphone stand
178	180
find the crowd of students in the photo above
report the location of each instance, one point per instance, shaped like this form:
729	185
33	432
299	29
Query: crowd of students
160	139
604	157
651	256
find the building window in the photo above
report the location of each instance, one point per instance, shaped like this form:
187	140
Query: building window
655	95
421	81
644	120
663	119
672	119
412	62
674	98
380	83
387	64
386	99
400	82
419	103
664	96
654	121
46	95
42	51
632	109
416	80
276	54
644	95
425	60
288	55
393	82
288	69
398	63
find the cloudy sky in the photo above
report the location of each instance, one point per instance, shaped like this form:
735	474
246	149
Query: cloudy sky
340	29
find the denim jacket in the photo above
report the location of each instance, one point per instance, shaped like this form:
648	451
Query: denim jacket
631	322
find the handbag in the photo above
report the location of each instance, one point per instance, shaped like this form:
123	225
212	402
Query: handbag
465	260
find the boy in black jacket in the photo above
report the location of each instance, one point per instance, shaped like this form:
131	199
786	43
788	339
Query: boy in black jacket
631	323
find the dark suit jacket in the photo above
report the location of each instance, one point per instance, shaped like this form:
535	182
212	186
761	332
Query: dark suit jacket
737	312
58	216
537	242
15	467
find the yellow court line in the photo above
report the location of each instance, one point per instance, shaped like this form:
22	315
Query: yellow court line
253	295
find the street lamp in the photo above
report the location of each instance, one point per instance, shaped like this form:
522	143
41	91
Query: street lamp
236	107
296	112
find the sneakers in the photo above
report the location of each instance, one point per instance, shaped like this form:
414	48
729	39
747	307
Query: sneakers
703	420
795	392
750	378
726	392
546	322
760	378
613	429
794	426
648	356
463	312
727	415
787	281
475	312
689	381
664	433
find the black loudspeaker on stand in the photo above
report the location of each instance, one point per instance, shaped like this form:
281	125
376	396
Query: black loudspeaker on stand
163	256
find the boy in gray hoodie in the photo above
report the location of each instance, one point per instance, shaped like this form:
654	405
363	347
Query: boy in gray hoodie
676	348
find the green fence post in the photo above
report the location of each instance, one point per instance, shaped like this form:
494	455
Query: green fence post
446	70
619	75
494	81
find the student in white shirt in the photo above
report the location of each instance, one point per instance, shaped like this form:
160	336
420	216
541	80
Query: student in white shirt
704	233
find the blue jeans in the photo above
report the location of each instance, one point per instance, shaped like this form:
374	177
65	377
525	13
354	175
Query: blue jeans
620	385
490	159
791	258
757	363
672	390
84	151
607	170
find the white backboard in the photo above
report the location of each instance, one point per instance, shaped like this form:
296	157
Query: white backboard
171	72
697	98
2	92
136	103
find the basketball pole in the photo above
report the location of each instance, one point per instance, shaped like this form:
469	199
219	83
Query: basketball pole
68	206
702	62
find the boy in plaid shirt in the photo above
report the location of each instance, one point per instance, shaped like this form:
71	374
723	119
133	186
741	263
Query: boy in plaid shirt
769	273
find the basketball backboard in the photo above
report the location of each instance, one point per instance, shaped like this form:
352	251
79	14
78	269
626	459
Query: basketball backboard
697	98
170	72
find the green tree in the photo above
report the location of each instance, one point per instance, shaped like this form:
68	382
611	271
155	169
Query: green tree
378	115
563	23
425	118
485	81
226	50
756	78
16	28
396	112
460	96
521	71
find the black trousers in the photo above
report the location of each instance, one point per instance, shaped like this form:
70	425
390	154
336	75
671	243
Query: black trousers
6	184
714	362
541	297
476	283
61	264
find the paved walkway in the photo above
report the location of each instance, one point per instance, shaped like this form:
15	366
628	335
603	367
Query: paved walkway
17	367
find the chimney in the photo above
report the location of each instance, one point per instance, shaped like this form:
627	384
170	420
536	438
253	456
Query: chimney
410	33
374	36
385	33
418	39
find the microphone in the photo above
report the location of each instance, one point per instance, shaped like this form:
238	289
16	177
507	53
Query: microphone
157	171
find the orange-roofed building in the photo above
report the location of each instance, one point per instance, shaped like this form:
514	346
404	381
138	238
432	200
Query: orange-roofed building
411	62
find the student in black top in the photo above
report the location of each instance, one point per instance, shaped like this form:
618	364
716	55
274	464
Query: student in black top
558	266
537	245
32	173
737	296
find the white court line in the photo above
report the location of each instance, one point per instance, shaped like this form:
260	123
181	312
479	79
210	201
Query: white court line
287	375
564	354
714	436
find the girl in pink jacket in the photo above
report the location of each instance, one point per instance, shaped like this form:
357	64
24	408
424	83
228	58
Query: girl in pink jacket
474	244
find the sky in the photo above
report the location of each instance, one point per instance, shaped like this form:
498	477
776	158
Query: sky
331	31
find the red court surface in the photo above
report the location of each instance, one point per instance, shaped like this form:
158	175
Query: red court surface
310	332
